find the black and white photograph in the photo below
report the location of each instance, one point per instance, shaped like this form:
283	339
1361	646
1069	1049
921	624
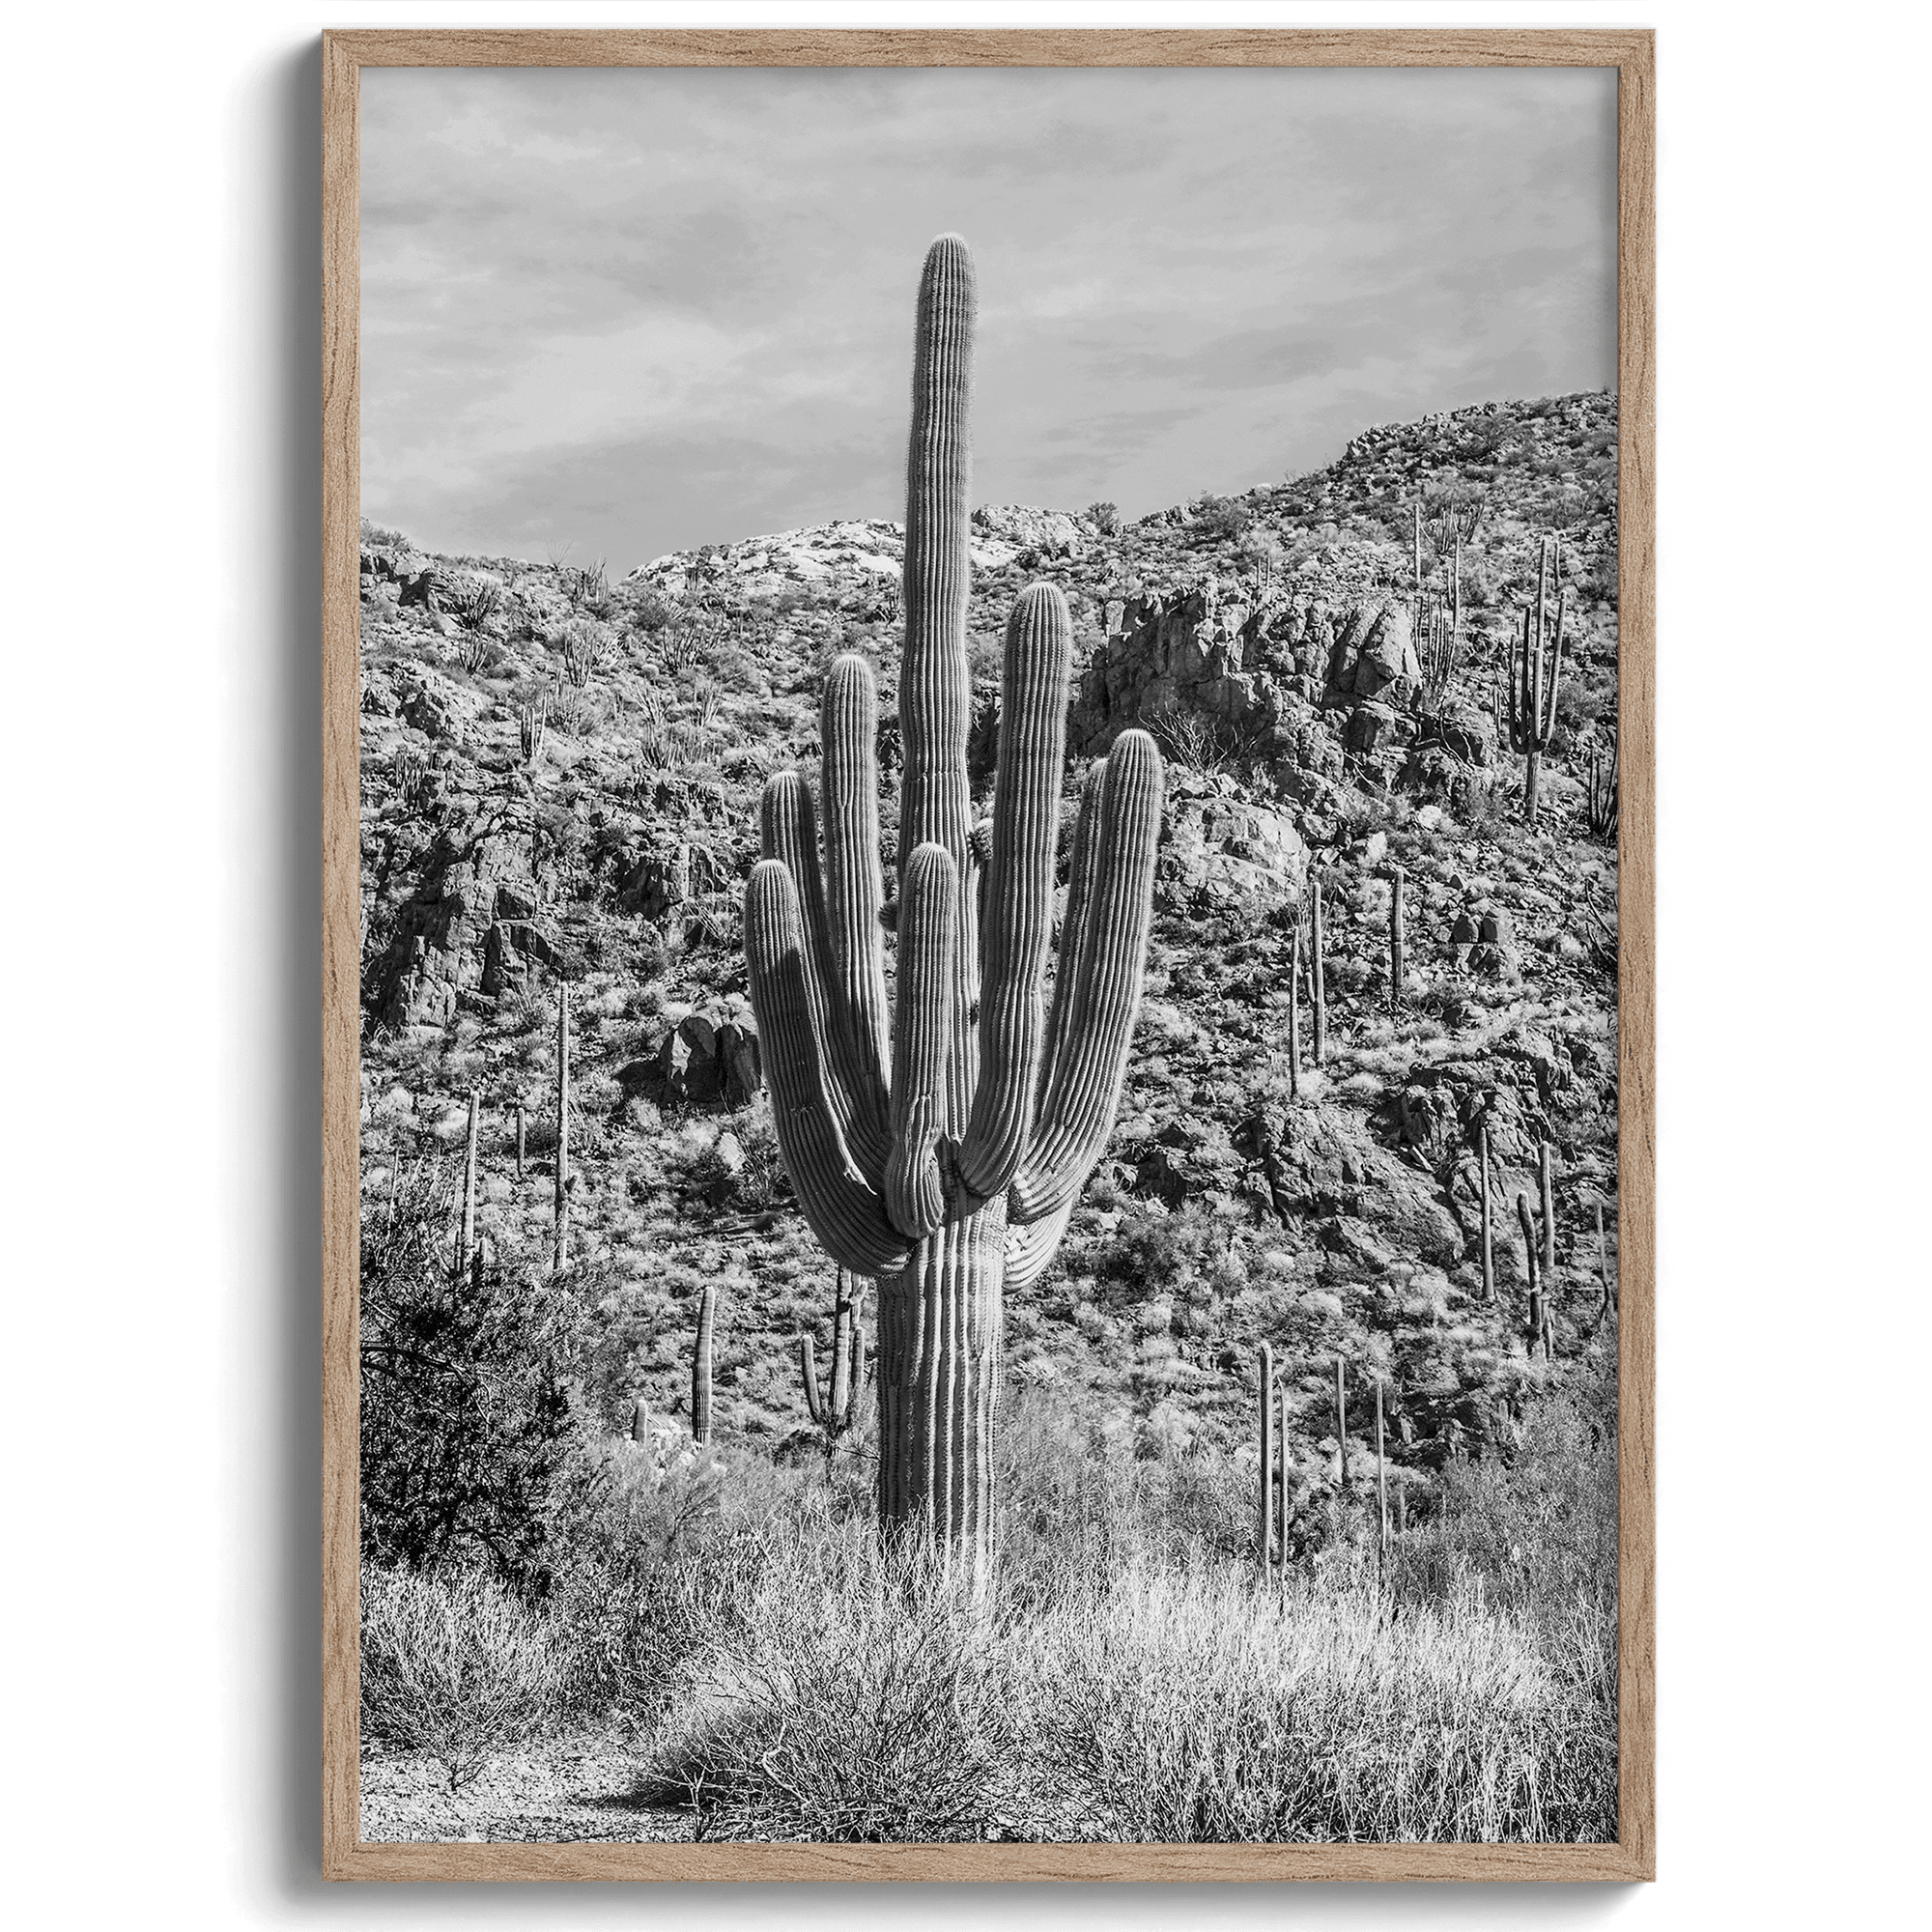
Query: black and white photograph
989	1032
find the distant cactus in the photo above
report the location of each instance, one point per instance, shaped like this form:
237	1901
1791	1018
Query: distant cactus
466	1239
1539	1314
561	1196
533	727
833	1409
1488	1227
1532	692
942	1149
1545	1166
1600	792
1295	1018
1320	989
640	1420
1397	934
1267	1465
700	1369
520	1139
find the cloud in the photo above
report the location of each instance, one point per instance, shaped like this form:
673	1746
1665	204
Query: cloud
643	308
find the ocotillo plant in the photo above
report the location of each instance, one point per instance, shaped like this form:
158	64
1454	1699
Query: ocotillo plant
1546	1165
1599	795
1489	1226
1267	1518
942	1153
1320	991
1532	697
466	1240
560	1205
700	1369
1398	891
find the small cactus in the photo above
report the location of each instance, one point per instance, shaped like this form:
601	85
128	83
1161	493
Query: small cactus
700	1369
533	727
466	1240
1267	1465
1600	792
1532	697
640	1420
1319	990
1398	923
561	1198
1489	1226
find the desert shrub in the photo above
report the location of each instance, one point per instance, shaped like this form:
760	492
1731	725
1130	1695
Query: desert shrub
1106	517
1197	1707
454	1666
468	1438
854	1701
1217	519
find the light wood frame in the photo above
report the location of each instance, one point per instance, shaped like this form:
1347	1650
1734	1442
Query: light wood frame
1630	51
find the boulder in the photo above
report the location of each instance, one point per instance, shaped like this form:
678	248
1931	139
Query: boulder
1222	852
709	1059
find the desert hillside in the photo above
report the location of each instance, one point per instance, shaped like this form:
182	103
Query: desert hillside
560	774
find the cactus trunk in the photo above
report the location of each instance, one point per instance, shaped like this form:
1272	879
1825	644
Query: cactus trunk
1320	991
1547	1174
466	1240
1294	1019
1489	1225
1398	921
700	1369
1266	1462
561	1195
939	1385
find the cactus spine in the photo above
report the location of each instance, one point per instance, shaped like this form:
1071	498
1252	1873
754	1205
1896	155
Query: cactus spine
700	1369
1532	698
561	1198
942	1152
1267	1465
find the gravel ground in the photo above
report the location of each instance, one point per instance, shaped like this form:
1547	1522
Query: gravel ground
576	1789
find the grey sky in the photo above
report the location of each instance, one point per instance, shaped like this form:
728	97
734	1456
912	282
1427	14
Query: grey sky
640	309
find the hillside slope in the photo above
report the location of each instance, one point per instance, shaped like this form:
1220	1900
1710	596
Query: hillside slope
561	776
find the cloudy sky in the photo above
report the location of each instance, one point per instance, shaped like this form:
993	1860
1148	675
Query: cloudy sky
635	310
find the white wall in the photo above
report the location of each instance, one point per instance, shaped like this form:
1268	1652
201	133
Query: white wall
161	1146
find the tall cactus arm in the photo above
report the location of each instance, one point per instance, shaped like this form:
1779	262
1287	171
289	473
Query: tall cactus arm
1547	729
788	830
1029	1249
935	684
840	1206
922	1039
1072	928
808	1370
1018	886
1078	1111
854	891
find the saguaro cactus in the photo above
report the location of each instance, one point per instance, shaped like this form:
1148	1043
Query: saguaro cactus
1295	1018
1265	1523
942	1153
560	1196
640	1420
1489	1225
831	1409
1539	1313
466	1240
1546	1165
1398	923
1320	991
1532	698
700	1369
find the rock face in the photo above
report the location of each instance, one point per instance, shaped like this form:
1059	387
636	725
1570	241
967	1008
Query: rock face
709	1058
472	927
1220	852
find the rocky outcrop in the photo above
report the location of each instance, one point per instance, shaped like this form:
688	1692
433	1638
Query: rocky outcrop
708	1057
1219	852
473	927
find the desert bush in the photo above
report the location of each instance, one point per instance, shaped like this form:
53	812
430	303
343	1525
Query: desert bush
1217	519
855	1699
1106	517
455	1668
1203	1706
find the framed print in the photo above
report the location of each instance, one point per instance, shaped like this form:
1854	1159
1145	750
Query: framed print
989	1030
